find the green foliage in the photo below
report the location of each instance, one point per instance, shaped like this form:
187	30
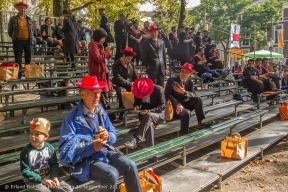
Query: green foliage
219	15
264	14
167	14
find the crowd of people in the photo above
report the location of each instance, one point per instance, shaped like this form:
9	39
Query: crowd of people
87	133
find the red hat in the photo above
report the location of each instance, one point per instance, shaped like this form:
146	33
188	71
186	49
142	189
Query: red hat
142	87
91	82
21	3
128	50
154	28
187	67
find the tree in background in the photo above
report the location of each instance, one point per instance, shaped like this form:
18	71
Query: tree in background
167	14
221	13
266	15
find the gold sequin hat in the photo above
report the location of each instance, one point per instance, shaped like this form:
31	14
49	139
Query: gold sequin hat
40	124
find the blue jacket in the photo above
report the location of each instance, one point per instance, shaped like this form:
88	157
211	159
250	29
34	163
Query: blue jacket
82	36
76	135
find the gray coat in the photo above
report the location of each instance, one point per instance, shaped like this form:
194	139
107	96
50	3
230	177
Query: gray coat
70	42
13	27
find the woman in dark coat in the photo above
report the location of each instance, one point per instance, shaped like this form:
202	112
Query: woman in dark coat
134	40
214	58
200	63
173	41
70	45
251	80
183	48
48	34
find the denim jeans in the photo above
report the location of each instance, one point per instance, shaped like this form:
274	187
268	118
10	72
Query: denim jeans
108	175
18	47
43	44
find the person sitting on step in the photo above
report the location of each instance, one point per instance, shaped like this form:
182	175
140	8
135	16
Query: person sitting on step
179	90
150	104
124	74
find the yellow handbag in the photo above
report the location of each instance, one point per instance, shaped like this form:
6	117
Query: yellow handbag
168	111
234	147
148	182
128	100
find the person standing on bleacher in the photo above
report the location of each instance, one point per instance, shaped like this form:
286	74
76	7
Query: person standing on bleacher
20	29
154	57
124	74
70	43
179	90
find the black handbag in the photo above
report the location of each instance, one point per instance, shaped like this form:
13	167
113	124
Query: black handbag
277	78
110	38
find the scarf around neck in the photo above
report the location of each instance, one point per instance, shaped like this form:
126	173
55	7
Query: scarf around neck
49	32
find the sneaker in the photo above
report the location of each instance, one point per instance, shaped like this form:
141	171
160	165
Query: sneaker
131	144
121	117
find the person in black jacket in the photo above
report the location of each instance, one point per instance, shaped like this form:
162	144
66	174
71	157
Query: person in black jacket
154	56
104	24
120	28
48	33
59	29
150	104
179	90
124	74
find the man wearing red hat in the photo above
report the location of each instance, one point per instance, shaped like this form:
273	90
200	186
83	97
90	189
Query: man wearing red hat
124	74
150	104
179	90
20	29
154	57
86	140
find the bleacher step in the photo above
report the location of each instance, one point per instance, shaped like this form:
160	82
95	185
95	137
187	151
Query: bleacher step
205	169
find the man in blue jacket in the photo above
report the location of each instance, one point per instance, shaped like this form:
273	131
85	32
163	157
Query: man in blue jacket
92	149
38	38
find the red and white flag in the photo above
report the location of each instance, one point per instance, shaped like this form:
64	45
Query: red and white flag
235	36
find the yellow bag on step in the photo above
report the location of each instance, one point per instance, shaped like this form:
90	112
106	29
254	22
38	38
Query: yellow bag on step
128	100
34	70
234	147
149	182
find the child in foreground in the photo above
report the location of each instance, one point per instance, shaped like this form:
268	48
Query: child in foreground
38	160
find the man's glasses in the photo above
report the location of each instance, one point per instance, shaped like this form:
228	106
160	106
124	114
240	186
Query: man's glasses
93	93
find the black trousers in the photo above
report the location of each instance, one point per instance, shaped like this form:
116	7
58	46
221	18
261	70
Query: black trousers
146	128
120	44
194	103
19	46
253	87
104	100
70	57
157	78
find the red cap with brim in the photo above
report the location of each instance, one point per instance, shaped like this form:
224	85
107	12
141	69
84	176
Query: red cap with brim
187	67
91	83
21	3
128	50
154	28
142	87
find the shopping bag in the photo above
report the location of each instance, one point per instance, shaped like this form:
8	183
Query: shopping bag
234	147
9	70
168	111
283	110
2	114
128	100
149	182
229	77
34	70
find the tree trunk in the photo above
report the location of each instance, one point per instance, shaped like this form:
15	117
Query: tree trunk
182	14
57	8
1	26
